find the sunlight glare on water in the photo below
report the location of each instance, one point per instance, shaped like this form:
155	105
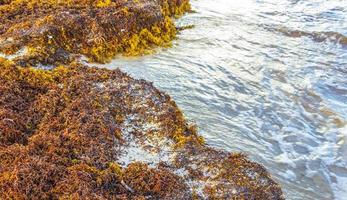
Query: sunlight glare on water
267	78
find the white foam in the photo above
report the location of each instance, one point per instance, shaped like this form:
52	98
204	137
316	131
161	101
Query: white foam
19	53
152	150
340	188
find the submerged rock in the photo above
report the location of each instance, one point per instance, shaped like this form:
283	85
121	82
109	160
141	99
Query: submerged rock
87	133
317	36
52	32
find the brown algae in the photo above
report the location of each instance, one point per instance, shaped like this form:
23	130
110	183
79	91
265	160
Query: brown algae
77	132
74	133
52	32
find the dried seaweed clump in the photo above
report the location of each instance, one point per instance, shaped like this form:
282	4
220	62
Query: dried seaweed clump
86	133
51	32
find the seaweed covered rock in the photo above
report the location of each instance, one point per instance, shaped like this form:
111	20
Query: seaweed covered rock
52	32
86	133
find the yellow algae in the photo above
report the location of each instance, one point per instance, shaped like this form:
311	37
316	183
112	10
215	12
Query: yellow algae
103	3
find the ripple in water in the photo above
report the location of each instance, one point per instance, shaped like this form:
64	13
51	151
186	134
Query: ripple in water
268	78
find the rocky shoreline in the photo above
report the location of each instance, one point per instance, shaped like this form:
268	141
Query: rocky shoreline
77	132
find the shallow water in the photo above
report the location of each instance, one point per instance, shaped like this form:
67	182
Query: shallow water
268	78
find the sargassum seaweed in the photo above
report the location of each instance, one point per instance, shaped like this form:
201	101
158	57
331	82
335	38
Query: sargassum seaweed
81	132
54	31
77	132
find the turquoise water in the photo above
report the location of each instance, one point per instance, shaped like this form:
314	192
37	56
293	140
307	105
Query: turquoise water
267	78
